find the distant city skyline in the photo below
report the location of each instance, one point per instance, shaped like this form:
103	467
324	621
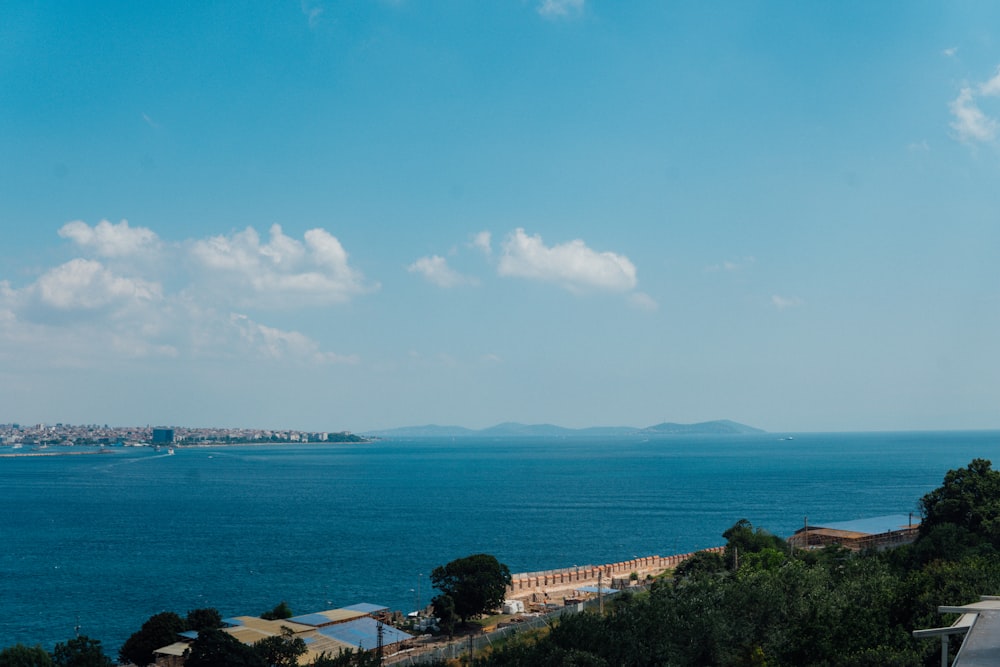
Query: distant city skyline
381	213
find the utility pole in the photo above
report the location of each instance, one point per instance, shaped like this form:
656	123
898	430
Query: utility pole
600	592
379	631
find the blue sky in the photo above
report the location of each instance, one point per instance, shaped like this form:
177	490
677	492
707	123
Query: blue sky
365	214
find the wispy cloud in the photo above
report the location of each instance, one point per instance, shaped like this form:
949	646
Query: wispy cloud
149	121
560	8
572	265
786	302
950	52
731	266
435	270
971	124
281	345
313	11
642	301
483	241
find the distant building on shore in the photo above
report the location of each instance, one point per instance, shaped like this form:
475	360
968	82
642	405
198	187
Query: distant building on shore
163	436
881	532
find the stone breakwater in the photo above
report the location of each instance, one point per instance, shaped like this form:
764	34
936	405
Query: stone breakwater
554	584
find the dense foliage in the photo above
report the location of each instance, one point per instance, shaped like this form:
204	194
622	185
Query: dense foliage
20	655
158	631
475	584
81	651
280	611
762	604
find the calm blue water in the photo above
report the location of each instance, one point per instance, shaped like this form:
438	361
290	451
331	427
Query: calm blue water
106	541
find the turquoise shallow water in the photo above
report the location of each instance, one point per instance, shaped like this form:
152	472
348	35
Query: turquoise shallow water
106	541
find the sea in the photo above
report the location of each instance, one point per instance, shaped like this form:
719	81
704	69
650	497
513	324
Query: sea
97	544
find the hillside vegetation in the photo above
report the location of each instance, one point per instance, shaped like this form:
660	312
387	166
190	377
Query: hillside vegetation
762	604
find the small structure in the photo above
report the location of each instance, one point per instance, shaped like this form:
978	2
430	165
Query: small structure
980	621
332	631
513	607
882	532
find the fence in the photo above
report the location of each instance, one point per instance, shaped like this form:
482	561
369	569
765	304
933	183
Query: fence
473	643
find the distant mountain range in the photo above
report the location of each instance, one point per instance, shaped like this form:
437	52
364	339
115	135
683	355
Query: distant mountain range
512	429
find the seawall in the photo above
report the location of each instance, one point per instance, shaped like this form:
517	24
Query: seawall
556	583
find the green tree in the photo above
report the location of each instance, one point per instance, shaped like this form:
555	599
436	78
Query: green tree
158	631
80	651
742	539
969	498
702	563
20	655
208	618
476	583
281	611
215	648
281	650
444	610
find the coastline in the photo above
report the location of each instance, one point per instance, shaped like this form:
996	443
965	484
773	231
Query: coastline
37	454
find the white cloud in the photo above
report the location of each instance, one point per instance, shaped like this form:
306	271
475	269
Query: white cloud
280	345
108	240
83	284
154	300
483	240
950	52
283	272
435	270
560	8
313	11
992	87
785	302
971	124
643	301
572	265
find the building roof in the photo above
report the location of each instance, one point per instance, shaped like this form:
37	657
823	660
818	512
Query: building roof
177	648
980	621
981	647
869	526
363	633
320	618
367	608
266	627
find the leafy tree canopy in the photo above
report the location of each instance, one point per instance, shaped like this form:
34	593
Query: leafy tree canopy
281	650
204	619
702	563
20	655
80	651
969	498
741	538
476	583
215	648
280	611
444	610
158	631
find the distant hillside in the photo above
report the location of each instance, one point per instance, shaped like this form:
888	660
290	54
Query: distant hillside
513	429
718	427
